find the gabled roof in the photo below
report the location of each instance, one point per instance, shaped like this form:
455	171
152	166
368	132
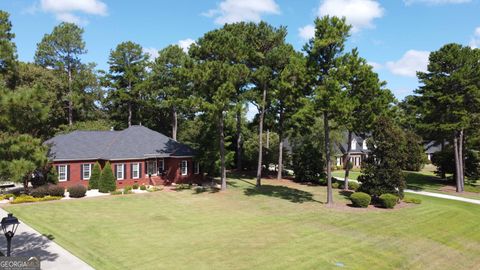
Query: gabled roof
135	142
342	147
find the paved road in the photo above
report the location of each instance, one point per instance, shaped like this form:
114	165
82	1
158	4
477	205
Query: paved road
28	242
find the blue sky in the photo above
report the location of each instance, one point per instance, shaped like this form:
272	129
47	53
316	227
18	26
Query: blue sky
395	36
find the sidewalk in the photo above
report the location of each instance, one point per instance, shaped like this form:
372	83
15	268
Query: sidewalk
28	242
443	196
432	194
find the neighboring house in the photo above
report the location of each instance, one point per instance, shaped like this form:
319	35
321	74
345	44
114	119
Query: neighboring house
136	154
431	148
358	151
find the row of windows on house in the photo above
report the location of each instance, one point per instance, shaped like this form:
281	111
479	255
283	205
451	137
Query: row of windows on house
120	170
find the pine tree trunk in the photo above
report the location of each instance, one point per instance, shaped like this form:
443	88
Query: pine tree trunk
457	163
347	160
70	96
129	113
239	140
444	176
174	122
223	176
260	139
327	156
462	159
280	147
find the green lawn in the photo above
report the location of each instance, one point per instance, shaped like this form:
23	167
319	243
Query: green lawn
280	226
341	174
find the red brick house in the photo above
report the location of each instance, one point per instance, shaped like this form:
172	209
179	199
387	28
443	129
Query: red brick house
136	154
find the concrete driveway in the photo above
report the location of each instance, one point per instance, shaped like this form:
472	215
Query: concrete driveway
28	242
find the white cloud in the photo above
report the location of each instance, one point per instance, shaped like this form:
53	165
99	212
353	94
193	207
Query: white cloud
359	13
152	52
411	62
475	40
435	2
185	44
307	32
230	11
65	10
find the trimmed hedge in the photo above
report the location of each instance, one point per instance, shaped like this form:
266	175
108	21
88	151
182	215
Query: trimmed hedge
95	177
107	180
335	185
46	190
135	186
360	199
39	192
351	185
388	200
77	191
143	187
56	191
27	199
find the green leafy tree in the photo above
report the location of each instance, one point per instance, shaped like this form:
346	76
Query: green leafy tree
20	156
8	51
414	156
449	98
107	181
61	50
93	182
382	170
324	52
366	100
52	175
127	71
170	85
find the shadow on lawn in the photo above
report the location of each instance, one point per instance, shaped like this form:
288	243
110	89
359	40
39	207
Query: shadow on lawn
27	244
418	181
282	192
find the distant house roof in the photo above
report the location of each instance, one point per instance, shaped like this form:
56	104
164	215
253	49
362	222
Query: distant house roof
432	147
341	148
135	142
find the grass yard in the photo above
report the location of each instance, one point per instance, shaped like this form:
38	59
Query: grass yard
283	225
341	174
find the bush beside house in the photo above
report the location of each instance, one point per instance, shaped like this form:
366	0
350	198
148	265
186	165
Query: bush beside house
107	180
95	177
360	199
77	191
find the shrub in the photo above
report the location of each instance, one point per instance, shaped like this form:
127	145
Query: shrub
153	189
56	191
95	177
6	196
143	187
107	180
307	159
412	200
135	186
388	200
360	199
127	188
77	191
351	185
322	181
27	199
335	185
116	192
39	192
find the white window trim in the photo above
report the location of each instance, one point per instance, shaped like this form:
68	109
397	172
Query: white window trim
354	144
152	161
186	167
120	165
197	168
137	170
89	171
65	172
364	145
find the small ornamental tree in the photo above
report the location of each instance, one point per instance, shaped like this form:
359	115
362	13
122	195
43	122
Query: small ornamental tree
382	171
52	176
414	156
93	183
107	180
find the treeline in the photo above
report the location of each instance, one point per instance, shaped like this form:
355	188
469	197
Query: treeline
312	98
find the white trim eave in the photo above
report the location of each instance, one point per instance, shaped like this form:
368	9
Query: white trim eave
119	159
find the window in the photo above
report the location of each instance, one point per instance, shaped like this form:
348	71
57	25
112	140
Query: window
364	145
135	170
184	167
86	171
161	165
196	168
354	144
120	172
152	167
62	173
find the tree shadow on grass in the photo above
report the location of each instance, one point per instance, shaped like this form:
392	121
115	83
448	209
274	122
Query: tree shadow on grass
27	244
282	192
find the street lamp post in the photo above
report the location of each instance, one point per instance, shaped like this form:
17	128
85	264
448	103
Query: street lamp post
9	227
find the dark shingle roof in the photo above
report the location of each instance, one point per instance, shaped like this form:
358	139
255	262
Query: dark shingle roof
342	147
135	142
